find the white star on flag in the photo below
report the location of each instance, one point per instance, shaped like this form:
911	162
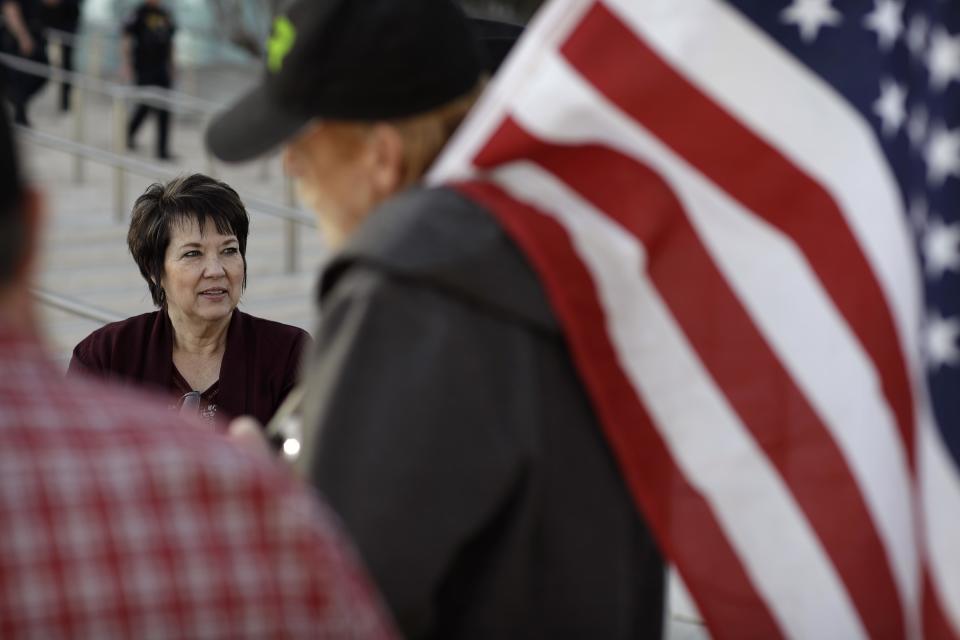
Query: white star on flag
810	16
886	20
918	212
891	106
941	245
940	337
917	126
917	35
943	58
942	154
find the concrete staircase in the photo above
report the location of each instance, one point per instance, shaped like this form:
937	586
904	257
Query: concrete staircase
84	253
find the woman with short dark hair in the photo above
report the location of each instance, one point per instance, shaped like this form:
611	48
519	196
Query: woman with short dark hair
189	239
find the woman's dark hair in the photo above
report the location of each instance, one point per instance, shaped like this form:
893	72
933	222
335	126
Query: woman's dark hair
196	197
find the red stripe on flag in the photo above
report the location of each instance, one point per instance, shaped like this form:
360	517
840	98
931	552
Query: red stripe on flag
935	623
602	48
737	356
687	529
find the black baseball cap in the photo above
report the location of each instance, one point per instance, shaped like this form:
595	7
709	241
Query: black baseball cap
351	60
496	39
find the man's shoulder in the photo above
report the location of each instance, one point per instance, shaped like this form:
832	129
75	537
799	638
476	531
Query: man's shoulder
277	342
132	325
113	483
96	422
132	330
439	238
134	17
271	328
159	12
439	219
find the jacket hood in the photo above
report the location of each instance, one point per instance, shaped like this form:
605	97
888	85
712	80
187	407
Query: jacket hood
442	239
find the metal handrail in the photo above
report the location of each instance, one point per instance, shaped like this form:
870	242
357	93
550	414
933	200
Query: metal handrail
121	95
291	216
74	307
154	171
92	32
168	97
66	37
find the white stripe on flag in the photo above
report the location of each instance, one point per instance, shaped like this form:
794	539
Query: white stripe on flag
717	454
796	112
940	490
775	284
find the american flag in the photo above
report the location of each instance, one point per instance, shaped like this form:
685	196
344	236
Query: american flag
745	215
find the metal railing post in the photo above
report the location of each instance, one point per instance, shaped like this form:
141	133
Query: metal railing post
190	79
290	264
290	242
79	135
207	156
96	54
119	145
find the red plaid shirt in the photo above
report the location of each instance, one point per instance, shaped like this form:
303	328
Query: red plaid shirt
117	521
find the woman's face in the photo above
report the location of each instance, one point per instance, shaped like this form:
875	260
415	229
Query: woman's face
202	272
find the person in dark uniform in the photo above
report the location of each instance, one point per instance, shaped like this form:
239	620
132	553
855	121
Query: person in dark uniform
63	15
444	418
22	35
148	59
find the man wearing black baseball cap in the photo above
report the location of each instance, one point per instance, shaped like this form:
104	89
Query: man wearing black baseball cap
444	418
343	60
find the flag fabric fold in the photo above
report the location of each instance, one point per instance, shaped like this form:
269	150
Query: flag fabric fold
744	214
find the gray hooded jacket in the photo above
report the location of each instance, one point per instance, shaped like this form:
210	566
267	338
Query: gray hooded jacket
453	436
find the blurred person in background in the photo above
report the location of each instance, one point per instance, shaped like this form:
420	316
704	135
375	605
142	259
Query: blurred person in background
22	36
189	240
63	15
119	520
444	418
147	50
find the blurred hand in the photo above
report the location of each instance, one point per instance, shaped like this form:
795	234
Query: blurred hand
247	433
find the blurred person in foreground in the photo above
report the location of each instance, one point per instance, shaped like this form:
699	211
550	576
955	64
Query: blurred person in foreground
444	417
147	60
189	239
119	520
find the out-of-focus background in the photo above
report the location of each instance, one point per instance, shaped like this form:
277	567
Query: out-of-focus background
80	159
91	180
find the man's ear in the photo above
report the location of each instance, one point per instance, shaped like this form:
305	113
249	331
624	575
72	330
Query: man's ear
385	148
